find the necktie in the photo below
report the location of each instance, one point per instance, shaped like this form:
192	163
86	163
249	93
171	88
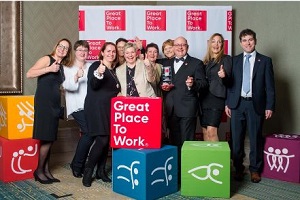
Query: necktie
246	75
178	59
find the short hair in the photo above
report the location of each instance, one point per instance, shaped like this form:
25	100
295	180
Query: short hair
245	32
121	40
169	42
129	45
83	43
150	45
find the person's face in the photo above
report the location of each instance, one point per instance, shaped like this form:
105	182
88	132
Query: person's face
216	44
109	54
152	54
81	53
180	47
62	48
130	55
168	51
248	43
120	47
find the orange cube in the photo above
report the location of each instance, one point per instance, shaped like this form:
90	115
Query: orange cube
16	116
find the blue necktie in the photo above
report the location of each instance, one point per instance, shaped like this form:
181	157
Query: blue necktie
246	75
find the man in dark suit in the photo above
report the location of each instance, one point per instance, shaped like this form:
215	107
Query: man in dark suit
249	101
181	96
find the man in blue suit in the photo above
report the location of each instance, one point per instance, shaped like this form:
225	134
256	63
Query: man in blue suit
250	100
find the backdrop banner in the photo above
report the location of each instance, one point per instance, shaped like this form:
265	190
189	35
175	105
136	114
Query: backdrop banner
98	24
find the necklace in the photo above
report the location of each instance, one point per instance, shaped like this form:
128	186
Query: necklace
115	77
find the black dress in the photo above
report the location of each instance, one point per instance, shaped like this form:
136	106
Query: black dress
98	100
47	105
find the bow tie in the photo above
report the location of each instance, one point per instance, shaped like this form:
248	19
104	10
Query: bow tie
178	59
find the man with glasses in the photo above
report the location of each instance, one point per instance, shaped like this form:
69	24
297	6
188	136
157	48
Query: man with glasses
181	96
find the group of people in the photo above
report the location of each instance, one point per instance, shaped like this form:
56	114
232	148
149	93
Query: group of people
198	89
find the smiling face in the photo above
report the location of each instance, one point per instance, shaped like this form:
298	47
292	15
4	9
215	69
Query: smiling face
109	54
81	53
152	54
248	43
62	48
168	51
130	55
216	45
180	47
120	47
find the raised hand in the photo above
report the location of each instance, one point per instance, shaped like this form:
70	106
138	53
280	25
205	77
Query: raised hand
221	72
189	82
101	68
54	67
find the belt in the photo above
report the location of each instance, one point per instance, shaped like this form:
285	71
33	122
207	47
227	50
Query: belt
247	98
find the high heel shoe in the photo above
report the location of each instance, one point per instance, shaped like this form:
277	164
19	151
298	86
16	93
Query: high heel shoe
87	177
54	180
37	178
102	175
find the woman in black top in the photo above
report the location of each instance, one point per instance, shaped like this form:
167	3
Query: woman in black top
47	107
218	70
103	85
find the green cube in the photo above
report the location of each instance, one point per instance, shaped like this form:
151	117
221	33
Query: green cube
205	169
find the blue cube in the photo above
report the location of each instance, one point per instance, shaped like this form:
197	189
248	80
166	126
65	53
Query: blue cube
145	173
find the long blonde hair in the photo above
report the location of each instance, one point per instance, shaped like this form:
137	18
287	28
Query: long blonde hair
209	55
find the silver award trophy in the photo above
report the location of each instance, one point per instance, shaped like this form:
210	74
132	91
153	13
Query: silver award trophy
167	74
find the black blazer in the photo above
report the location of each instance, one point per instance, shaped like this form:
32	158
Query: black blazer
217	85
180	100
263	85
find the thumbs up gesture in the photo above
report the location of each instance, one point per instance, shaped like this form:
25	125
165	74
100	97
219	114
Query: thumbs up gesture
101	68
221	72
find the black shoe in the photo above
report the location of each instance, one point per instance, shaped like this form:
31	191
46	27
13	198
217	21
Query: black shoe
75	173
102	175
37	178
239	176
54	180
87	177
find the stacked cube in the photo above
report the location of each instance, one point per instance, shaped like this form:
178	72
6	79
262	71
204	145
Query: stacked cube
142	168
18	152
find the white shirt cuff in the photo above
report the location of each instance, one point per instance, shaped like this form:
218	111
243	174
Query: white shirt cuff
97	75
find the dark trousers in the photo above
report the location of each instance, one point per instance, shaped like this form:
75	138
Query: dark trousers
181	129
245	118
99	153
84	143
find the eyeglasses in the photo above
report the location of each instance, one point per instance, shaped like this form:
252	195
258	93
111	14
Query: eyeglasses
180	45
63	47
82	50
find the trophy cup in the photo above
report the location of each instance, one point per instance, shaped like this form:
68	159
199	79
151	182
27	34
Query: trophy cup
167	77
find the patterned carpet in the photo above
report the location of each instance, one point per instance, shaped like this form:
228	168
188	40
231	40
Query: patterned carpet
71	188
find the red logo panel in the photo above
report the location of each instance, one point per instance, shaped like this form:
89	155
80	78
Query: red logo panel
136	122
155	20
229	21
81	20
196	20
115	20
95	47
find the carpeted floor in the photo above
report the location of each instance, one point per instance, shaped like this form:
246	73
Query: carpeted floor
71	188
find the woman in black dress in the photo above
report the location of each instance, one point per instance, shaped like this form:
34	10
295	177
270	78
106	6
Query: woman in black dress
103	85
218	71
47	107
